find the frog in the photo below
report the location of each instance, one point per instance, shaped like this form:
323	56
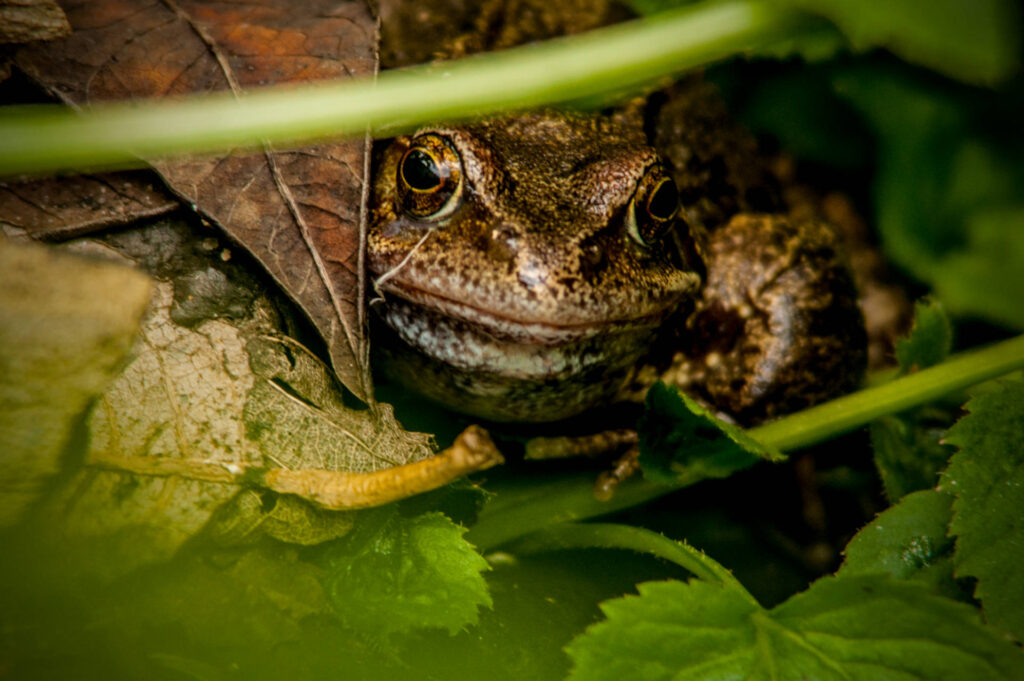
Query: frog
528	267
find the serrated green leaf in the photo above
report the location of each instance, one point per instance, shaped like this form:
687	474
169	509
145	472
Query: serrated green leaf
907	541
401	574
671	628
930	338
907	448
851	629
679	438
986	476
908	451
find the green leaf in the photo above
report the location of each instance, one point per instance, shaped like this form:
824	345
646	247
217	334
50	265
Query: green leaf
799	109
946	192
987	477
460	500
399	574
907	541
680	439
908	450
929	340
907	447
976	42
981	277
857	628
673	627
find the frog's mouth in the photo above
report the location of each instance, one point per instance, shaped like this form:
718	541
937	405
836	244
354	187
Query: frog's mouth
402	303
500	367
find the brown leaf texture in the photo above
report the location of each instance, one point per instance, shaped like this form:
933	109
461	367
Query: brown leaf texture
298	212
54	209
24	20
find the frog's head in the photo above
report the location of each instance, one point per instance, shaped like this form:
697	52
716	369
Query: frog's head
519	254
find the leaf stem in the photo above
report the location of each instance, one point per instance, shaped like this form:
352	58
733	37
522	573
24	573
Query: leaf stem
615	536
853	410
523	506
45	138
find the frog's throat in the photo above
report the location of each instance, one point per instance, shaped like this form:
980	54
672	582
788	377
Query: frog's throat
508	371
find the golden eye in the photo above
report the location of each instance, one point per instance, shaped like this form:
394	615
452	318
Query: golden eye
429	178
654	206
663	201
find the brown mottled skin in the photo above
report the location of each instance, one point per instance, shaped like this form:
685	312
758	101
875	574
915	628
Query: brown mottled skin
531	283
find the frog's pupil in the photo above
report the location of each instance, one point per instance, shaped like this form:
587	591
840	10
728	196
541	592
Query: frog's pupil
663	202
420	171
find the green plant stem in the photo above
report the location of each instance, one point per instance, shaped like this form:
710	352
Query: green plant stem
614	536
524	506
848	412
47	138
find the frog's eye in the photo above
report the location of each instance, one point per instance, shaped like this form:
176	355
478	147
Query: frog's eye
429	178
653	207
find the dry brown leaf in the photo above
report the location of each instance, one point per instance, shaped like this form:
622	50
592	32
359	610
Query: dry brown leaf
65	207
23	21
297	211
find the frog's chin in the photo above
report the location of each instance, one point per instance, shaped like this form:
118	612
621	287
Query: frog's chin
502	370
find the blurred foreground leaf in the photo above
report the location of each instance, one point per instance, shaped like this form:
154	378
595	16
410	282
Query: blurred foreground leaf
66	324
213	387
946	192
975	42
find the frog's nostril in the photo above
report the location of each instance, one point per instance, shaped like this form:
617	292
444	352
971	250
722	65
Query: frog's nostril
591	258
502	243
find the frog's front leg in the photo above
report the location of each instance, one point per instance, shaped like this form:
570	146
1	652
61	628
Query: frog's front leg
777	327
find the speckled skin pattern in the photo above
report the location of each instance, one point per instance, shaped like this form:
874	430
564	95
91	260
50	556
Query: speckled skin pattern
529	299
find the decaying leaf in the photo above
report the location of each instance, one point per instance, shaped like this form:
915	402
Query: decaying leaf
65	326
221	425
298	211
22	21
65	207
212	390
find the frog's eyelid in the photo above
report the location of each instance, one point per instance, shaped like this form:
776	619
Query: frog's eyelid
632	228
450	205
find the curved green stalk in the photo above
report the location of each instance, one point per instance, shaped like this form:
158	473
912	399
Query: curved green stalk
524	506
614	536
848	412
47	138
